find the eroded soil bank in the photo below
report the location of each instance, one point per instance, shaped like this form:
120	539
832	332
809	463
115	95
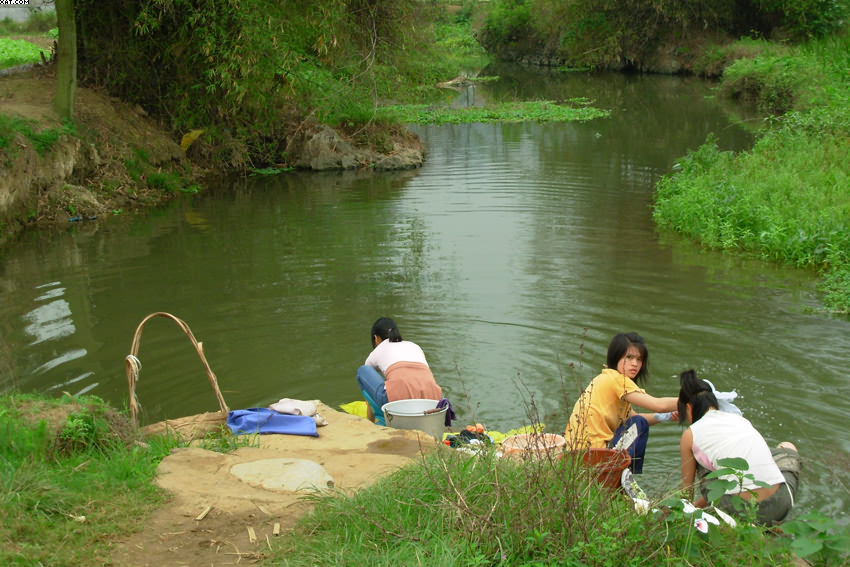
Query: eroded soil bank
115	159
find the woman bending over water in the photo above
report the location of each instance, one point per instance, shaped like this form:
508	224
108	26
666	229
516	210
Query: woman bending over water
406	374
714	435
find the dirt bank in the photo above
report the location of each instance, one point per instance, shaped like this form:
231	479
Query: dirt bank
103	164
115	159
220	500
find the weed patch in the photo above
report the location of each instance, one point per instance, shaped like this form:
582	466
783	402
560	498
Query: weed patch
42	140
15	52
454	508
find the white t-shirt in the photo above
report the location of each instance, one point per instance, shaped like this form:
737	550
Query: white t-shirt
386	354
721	435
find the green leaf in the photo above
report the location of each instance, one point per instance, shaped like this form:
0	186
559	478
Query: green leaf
718	488
806	546
760	483
797	528
736	463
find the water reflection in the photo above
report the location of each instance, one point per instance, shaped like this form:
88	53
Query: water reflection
51	321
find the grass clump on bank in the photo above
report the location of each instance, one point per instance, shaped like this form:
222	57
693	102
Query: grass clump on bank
42	140
452	508
73	478
787	199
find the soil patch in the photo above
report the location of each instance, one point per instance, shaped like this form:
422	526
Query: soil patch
215	517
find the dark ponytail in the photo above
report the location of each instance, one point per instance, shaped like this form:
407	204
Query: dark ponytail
695	392
385	328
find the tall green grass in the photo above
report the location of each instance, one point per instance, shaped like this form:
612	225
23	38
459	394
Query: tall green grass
70	484
787	199
452	508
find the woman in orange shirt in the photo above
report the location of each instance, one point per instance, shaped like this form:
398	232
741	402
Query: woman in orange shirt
603	413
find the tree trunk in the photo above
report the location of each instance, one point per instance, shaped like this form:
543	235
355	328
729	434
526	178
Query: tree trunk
66	60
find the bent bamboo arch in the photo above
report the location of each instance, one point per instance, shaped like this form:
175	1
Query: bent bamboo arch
133	366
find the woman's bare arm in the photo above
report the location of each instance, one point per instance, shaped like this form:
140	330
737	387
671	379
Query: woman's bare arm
689	467
651	403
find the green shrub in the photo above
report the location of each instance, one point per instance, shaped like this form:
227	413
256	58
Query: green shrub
806	19
15	52
507	23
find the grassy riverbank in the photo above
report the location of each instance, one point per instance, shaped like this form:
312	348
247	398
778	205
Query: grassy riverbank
787	199
73	480
455	509
78	480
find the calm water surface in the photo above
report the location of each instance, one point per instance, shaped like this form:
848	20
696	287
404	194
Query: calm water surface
511	257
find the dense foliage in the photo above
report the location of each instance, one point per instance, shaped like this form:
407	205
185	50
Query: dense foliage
608	33
244	69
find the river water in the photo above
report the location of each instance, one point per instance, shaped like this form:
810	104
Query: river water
512	256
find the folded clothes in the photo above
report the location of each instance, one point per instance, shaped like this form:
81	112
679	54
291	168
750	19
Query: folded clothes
294	407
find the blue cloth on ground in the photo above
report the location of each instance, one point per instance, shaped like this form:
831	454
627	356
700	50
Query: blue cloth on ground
264	420
450	413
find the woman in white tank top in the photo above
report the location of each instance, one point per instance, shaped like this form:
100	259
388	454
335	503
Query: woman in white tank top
714	435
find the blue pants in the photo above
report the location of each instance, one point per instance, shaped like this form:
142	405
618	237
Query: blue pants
637	449
374	390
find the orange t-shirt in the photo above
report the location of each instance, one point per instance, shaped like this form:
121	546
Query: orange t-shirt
600	410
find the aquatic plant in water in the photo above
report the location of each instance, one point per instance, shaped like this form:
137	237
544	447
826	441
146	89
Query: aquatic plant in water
531	111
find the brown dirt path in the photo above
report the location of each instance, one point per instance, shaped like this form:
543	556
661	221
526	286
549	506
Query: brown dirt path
353	451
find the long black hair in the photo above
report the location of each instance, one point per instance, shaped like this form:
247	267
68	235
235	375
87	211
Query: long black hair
385	328
696	392
618	347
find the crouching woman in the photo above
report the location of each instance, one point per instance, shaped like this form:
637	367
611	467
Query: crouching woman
406	374
714	435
